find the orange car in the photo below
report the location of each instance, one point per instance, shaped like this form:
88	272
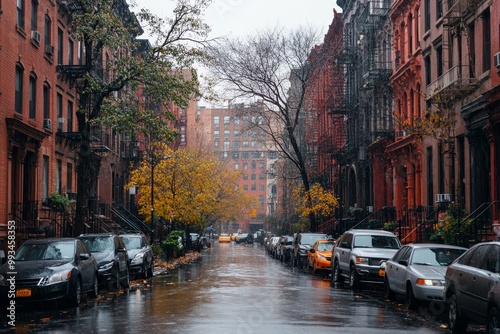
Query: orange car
319	255
224	237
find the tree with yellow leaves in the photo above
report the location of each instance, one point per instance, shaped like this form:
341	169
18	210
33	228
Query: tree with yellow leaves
191	187
316	201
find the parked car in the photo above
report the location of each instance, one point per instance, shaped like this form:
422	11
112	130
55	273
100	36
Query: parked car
112	259
195	241
471	288
302	242
224	237
360	253
241	238
50	269
319	255
140	254
417	271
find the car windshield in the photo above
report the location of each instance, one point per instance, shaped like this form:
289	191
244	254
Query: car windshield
325	246
46	251
132	242
435	256
98	244
376	241
306	239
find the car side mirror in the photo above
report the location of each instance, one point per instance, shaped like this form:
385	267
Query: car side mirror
312	250
84	256
403	262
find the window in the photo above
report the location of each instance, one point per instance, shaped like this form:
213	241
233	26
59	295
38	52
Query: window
227	144
472	49
32	96
254	165
70	116
45	178
245	143
254	143
245	187
226	120
47	31
58	176
236	133
261	176
69	177
245	176
261	187
486	41
245	120
18	107
261	165
60	42
427	62
20	14
410	35
430	176
225	154
253	187
227	133
245	165
439	9
216	134
46	101
439	60
71	51
236	166
253	177
34	15
244	155
236	143
427	17
59	106
216	143
236	155
236	120
216	120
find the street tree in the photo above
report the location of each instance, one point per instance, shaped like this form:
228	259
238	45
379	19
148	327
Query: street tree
272	66
116	65
192	187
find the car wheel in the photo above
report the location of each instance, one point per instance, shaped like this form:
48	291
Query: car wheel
145	270
95	288
493	324
76	293
411	301
114	284
353	278
388	293
457	324
336	272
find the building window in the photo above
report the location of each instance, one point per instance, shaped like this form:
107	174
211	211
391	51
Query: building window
254	165
439	60
47	31
245	187
34	15
236	133
216	120
236	155
227	144
261	165
236	120
20	14
45	178
58	176
227	120
486	41
46	101
253	187
69	178
472	49
216	134
439	9
261	187
245	176
244	155
227	133
18	107
261	176
245	165
71	51
410	35
225	154
60	43
253	177
427	62
427	15
70	116
32	96
59	106
245	143
216	143
236	166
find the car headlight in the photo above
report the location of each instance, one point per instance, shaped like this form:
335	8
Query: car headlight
429	282
3	282
362	260
58	277
106	266
137	259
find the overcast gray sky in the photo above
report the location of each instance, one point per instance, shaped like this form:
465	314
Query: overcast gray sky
242	17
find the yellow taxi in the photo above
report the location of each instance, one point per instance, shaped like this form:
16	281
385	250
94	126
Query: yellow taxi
224	237
319	256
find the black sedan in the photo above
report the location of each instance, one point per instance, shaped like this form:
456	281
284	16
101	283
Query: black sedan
50	269
139	253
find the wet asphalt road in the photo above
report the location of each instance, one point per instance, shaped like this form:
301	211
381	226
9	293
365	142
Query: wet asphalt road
232	289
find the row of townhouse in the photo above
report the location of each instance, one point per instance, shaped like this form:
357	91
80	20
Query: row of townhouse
39	137
413	122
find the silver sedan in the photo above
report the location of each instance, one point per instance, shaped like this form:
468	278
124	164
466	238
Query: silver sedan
417	272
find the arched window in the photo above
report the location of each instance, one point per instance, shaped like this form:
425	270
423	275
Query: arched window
410	34
32	97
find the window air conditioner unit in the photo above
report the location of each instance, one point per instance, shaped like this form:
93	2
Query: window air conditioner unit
443	198
47	123
496	59
36	37
49	49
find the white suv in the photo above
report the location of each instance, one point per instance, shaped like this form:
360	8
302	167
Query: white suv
359	254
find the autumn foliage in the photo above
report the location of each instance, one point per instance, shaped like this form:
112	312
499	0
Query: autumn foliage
317	201
191	187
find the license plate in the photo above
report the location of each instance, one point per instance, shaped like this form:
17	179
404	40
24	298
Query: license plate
23	293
